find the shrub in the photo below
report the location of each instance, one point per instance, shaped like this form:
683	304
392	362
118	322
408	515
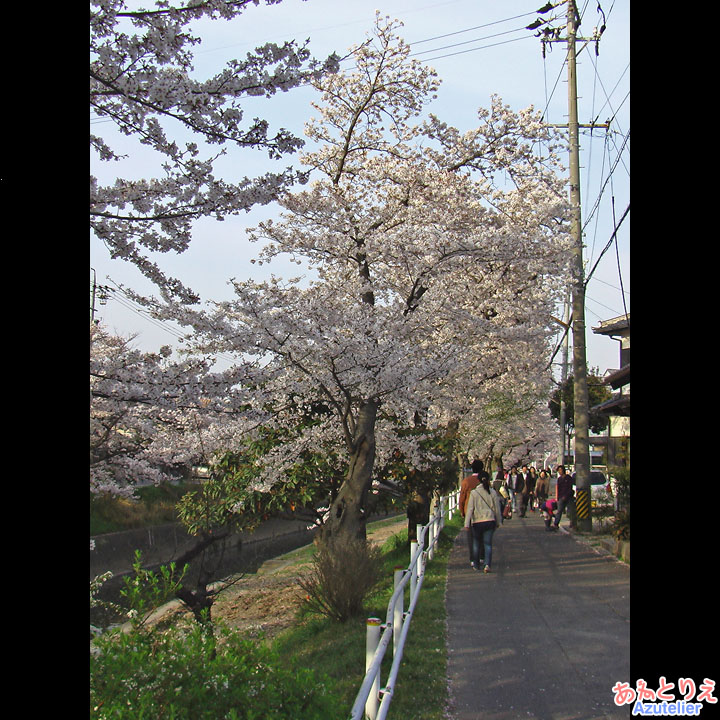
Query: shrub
186	673
622	483
343	573
621	525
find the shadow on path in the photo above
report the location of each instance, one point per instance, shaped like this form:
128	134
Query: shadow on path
546	635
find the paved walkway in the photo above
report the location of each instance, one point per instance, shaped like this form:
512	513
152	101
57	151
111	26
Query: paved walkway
546	635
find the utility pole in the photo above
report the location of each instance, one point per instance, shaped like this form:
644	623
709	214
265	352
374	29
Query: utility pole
92	302
99	291
563	378
582	415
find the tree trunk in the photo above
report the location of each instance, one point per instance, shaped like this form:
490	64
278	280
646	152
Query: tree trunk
497	464
347	517
200	600
418	513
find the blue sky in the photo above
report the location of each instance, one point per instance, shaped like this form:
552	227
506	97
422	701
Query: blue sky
478	48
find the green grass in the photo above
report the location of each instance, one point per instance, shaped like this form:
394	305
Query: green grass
337	650
153	506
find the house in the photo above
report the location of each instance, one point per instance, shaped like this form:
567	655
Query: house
618	407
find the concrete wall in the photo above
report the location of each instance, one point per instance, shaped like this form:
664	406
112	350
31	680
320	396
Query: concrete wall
619	548
162	544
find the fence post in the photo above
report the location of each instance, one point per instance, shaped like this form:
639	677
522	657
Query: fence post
413	569
422	545
371	642
398	609
378	635
431	538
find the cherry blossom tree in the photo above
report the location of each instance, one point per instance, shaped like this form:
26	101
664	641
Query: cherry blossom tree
152	418
433	257
505	427
141	79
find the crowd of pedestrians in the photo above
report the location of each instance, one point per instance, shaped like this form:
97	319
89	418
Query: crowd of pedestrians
486	504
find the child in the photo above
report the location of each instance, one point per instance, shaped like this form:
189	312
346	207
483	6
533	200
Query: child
548	509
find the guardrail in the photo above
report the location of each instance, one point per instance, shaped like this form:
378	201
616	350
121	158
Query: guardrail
374	701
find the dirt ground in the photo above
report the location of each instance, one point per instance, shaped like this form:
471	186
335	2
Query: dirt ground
267	601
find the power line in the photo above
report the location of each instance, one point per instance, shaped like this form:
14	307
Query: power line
122	298
100	119
607	307
614	287
467	42
607	180
482	47
613	237
476	27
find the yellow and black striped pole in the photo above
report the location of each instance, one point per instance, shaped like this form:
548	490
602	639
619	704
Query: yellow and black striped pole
582	505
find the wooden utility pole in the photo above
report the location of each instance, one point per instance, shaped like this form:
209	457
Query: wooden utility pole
582	415
582	411
563	378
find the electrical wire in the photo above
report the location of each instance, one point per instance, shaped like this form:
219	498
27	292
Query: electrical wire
614	287
476	27
548	99
597	216
467	42
118	295
607	180
96	120
613	238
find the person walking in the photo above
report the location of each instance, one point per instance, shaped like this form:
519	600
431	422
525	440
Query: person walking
510	479
523	490
468	484
532	482
565	494
482	517
518	487
542	489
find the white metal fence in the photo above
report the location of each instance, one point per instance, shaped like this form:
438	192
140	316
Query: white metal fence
371	699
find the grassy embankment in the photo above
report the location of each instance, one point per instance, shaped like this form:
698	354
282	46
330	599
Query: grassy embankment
337	650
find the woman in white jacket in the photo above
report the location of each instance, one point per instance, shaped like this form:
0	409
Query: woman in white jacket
483	515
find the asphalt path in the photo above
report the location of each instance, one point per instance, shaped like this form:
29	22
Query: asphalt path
545	635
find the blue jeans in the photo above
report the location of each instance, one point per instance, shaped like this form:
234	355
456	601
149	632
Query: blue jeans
482	534
564	505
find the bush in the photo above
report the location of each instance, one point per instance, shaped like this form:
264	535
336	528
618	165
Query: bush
189	674
622	484
343	573
621	525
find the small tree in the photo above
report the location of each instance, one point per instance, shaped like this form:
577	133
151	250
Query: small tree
598	393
